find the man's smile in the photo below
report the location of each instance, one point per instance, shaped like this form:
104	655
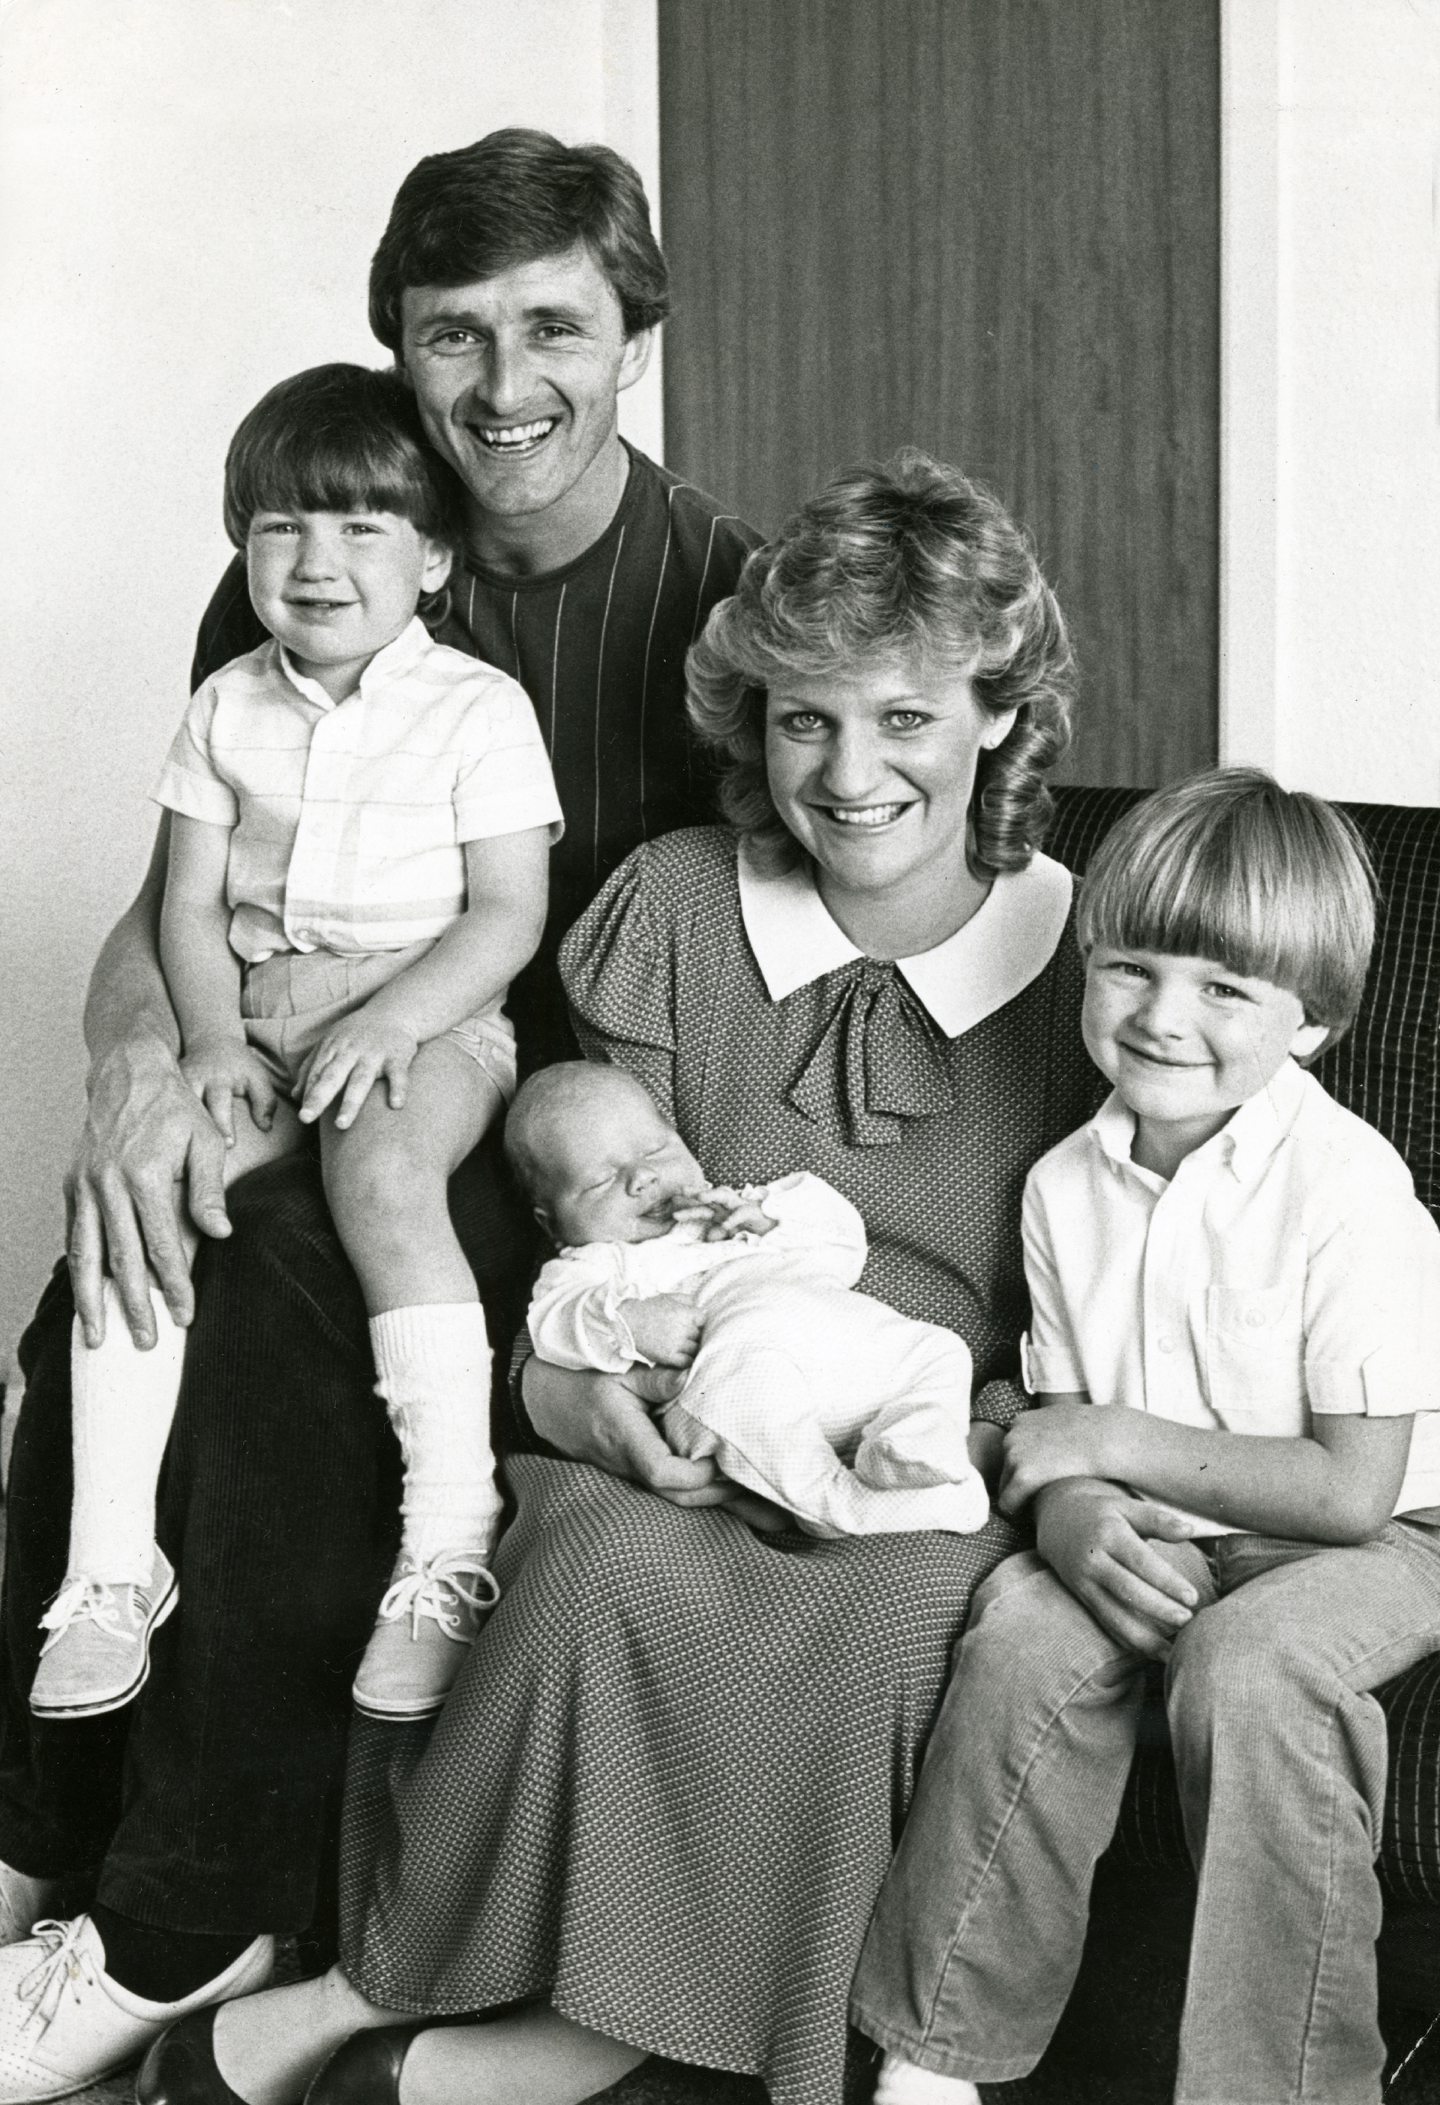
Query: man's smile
514	438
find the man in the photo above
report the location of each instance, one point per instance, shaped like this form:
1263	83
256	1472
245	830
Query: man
518	285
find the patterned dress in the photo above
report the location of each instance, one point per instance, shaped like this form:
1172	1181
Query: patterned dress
667	1787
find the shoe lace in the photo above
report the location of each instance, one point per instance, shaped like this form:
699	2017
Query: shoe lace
83	1600
64	1961
436	1589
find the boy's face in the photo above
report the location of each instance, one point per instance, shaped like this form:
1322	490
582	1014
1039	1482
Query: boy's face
516	378
336	587
614	1170
1186	1041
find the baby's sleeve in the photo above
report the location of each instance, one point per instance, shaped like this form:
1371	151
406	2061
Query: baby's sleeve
576	1319
1050	1351
814	1221
190	781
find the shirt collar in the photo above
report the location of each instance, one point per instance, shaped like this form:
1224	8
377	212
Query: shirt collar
1245	1143
396	658
985	964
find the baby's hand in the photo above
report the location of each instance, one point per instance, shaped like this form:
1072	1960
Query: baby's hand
727	1213
350	1059
219	1070
666	1329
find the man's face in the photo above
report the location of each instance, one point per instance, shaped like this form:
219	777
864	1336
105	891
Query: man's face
516	378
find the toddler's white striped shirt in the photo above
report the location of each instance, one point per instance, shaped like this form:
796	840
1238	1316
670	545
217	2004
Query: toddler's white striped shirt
349	819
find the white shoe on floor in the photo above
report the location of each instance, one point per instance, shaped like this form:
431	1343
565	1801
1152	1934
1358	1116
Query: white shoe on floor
97	1656
64	2023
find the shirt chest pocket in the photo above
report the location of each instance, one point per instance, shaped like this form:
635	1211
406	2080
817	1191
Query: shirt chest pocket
1255	1358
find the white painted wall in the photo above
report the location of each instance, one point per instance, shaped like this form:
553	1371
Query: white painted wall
189	196
1331	390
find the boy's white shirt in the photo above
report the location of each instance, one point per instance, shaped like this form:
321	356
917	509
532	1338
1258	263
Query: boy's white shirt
1286	1269
577	1310
348	819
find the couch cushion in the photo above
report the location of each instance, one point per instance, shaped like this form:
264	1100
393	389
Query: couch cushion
1387	1071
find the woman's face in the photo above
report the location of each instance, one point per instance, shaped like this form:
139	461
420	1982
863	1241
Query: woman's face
873	770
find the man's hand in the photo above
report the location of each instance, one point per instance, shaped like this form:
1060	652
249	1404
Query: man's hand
1047	1445
726	1213
1097	1540
219	1070
351	1058
150	1163
666	1328
605	1419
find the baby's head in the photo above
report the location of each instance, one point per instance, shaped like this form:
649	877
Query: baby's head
346	519
595	1158
1226	925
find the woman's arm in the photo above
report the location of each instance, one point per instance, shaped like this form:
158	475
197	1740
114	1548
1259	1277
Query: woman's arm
1337	1485
604	1419
149	1157
472	964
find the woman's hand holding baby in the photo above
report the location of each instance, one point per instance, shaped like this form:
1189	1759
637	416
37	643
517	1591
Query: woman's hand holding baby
666	1329
351	1058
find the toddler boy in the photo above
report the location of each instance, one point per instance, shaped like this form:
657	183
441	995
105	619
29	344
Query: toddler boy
1237	1316
853	1418
359	832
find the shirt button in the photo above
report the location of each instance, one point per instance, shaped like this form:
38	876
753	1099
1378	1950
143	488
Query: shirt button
1254	1318
1166	1344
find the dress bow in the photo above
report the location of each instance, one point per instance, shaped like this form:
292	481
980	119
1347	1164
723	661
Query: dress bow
878	1062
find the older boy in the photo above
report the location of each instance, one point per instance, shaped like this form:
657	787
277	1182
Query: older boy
1236	1311
517	283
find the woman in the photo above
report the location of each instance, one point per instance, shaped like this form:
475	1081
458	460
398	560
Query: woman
658	1806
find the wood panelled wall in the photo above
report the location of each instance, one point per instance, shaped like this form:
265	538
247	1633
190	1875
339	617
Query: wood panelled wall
990	228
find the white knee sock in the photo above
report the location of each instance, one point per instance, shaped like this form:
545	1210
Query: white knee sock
902	2083
433	1364
123	1405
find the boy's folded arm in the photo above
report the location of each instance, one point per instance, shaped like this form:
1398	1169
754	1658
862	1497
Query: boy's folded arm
1098	1540
1338	1484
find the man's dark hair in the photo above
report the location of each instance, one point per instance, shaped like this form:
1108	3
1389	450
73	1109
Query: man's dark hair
513	197
340	438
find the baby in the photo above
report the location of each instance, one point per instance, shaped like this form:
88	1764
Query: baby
848	1415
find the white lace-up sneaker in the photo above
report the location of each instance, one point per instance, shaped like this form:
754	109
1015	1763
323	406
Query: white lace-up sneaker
425	1626
97	1656
64	2023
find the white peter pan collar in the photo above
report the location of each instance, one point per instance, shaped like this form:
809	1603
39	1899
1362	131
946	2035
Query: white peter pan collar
985	964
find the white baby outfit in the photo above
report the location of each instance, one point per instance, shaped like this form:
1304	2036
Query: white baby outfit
846	1413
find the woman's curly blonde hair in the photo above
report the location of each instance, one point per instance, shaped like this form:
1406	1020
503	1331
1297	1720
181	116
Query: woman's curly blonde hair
908	561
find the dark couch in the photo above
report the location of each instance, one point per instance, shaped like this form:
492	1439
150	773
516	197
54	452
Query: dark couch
1387	1071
